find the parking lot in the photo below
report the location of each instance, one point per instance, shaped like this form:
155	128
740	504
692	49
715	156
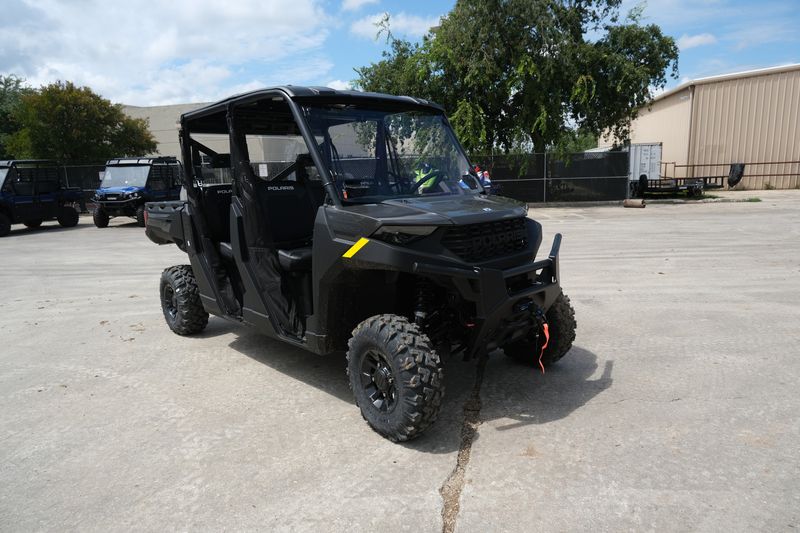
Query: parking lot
676	410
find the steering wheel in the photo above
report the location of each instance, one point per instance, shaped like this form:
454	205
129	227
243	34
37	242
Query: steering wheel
436	175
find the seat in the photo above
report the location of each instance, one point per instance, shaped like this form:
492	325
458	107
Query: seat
295	260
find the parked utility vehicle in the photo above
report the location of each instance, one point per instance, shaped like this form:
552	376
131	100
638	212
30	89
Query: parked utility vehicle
32	191
128	183
354	222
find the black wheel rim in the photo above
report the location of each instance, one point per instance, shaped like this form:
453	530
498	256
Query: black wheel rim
170	301
378	381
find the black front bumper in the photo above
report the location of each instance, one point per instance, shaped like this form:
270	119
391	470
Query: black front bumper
503	314
126	207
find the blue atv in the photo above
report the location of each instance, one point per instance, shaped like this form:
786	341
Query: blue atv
32	191
128	184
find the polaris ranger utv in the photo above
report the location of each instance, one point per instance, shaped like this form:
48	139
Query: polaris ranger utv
353	222
129	183
32	191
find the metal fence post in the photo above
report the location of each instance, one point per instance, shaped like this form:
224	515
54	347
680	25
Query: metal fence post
544	174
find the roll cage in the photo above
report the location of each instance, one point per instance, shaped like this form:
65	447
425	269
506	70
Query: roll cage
274	111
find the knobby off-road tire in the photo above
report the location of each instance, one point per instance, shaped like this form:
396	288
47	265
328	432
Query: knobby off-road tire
140	216
68	217
396	376
5	225
561	324
180	301
33	223
100	218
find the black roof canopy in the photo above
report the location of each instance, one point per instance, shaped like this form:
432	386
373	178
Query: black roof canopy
28	162
212	118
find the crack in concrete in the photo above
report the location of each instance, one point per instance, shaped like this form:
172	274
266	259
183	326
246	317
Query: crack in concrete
454	484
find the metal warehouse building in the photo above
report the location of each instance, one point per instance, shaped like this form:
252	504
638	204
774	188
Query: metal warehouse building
706	124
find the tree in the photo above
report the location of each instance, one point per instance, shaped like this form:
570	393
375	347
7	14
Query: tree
12	89
521	75
73	125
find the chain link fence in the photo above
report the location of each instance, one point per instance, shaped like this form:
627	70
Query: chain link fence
85	177
540	178
534	178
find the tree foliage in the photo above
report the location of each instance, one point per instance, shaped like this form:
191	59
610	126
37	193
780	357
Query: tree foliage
517	75
12	89
73	125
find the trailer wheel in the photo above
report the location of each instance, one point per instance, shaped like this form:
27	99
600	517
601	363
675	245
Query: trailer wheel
140	216
643	183
5	225
68	216
100	218
561	324
35	223
396	376
180	301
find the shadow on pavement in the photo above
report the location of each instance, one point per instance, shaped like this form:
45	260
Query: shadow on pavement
522	394
18	230
510	390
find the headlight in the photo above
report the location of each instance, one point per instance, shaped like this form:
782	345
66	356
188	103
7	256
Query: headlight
135	194
402	234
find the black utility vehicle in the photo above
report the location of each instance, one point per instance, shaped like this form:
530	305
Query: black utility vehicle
129	183
32	191
353	222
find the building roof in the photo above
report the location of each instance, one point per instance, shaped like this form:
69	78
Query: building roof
731	76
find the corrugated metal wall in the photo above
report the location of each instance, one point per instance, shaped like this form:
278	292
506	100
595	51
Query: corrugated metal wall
666	122
748	120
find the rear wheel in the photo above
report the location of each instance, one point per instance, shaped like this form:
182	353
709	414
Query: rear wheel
101	218
140	216
5	225
396	376
180	301
33	223
68	216
561	326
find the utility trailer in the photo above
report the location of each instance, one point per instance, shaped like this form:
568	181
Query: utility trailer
644	172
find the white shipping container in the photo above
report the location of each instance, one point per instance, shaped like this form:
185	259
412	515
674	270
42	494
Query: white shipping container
645	160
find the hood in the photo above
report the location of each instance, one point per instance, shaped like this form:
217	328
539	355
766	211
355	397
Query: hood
454	209
118	190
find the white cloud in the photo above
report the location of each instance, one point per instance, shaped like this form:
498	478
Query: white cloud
400	24
691	41
353	5
142	53
339	85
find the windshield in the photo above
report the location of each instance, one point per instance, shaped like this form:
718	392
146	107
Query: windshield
3	172
375	155
127	176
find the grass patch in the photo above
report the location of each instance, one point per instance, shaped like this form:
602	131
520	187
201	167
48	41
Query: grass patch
752	199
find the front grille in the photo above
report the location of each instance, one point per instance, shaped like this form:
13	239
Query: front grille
475	243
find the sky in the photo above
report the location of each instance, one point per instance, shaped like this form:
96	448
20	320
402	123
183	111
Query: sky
141	52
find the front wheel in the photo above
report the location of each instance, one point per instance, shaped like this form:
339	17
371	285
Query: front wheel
396	376
180	301
100	218
68	216
5	225
140	216
561	326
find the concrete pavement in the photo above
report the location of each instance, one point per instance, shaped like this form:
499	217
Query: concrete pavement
677	408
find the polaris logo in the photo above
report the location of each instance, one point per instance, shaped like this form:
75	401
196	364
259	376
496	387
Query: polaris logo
280	187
